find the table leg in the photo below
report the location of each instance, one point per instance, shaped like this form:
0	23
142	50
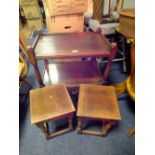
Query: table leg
32	59
124	57
57	133
38	75
43	128
70	118
47	69
107	126
111	57
79	125
47	127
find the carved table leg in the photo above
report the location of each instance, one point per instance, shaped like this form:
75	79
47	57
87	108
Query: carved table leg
79	125
43	128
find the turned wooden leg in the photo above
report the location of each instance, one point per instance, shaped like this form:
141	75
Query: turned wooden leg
70	118
107	126
43	128
79	125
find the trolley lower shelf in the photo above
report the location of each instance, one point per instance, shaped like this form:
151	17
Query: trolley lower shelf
72	73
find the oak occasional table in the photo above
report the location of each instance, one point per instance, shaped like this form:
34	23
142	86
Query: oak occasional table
97	103
70	46
51	103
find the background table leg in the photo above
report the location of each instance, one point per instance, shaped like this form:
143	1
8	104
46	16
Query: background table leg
112	56
70	121
79	125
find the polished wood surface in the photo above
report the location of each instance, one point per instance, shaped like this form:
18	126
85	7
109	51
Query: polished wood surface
72	73
71	45
98	102
127	22
66	45
49	103
117	29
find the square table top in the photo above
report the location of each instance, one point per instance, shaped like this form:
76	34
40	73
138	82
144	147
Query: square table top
66	45
50	102
99	102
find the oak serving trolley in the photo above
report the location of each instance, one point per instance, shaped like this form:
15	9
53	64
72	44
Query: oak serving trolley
69	46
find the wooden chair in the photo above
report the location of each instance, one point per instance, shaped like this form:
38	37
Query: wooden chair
129	84
23	69
109	21
23	42
115	6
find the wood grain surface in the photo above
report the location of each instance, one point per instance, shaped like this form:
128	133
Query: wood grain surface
98	102
72	73
66	45
50	102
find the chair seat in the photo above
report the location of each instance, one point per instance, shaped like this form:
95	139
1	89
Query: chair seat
72	73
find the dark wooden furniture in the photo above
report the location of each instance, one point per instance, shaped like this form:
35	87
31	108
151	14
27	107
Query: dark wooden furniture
97	102
70	45
50	103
